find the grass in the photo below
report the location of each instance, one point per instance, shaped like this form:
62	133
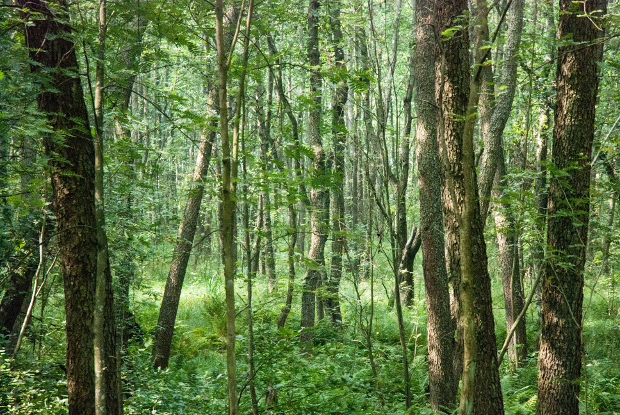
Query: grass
334	379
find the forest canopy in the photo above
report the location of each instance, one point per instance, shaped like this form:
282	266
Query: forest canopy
318	207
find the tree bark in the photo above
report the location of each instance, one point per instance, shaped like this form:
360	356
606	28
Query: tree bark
481	391
319	192
108	397
72	172
562	294
339	134
180	255
443	382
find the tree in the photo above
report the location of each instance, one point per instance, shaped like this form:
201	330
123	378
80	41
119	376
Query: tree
339	100
458	93
71	150
182	249
108	398
443	381
568	210
494	114
319	192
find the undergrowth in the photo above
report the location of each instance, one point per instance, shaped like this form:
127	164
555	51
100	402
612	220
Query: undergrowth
334	377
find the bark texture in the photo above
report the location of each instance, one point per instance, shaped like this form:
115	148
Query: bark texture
339	135
319	192
72	171
562	294
459	99
442	380
180	255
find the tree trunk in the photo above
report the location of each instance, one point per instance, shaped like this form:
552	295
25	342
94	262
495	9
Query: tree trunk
264	147
465	228
108	399
230	162
562	298
339	134
180	255
443	382
22	265
292	221
72	174
319	193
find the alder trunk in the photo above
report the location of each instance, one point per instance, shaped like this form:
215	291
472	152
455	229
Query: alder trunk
72	171
319	193
339	134
180	255
561	348
443	382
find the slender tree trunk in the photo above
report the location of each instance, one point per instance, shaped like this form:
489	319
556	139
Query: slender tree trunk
250	272
264	136
108	399
562	298
339	134
72	174
494	114
319	194
443	382
230	154
180	255
22	265
292	221
613	178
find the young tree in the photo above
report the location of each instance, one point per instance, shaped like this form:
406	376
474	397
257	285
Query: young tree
568	212
494	114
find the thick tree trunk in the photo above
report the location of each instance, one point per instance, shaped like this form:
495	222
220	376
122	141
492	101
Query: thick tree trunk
72	174
562	298
452	82
443	382
319	193
481	391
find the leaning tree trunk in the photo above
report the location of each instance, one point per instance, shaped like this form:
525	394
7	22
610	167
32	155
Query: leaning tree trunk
319	193
72	171
180	255
443	382
561	348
